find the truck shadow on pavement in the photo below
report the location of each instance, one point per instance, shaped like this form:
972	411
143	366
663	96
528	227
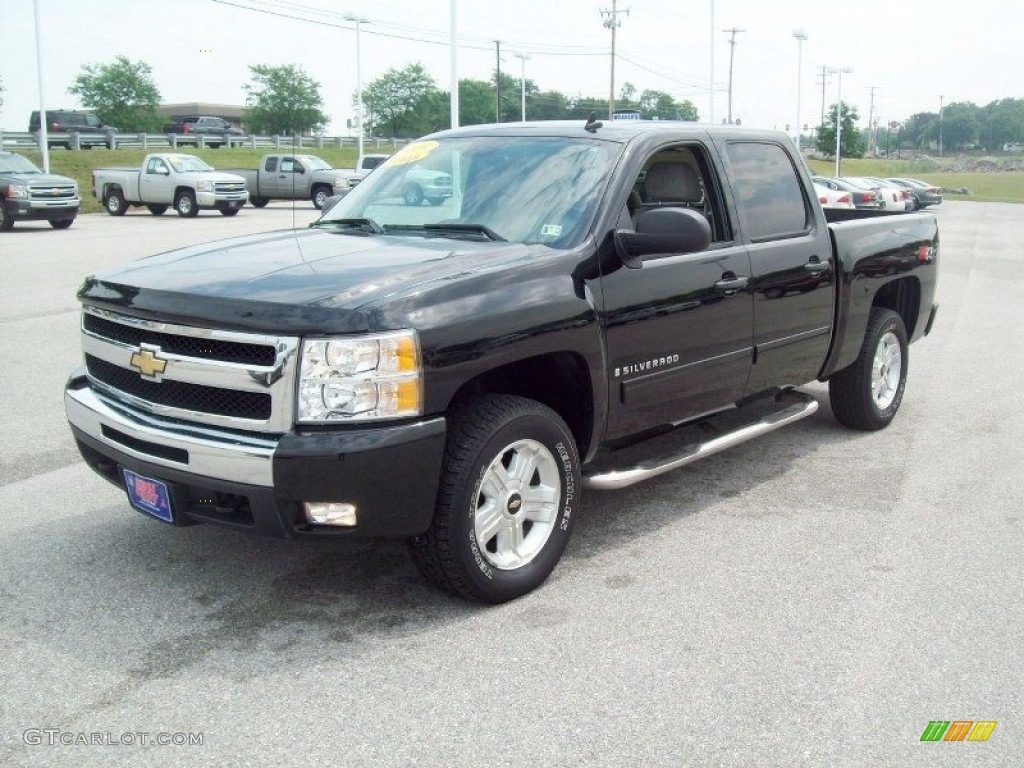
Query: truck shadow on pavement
130	594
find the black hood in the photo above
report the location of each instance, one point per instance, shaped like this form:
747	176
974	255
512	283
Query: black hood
316	279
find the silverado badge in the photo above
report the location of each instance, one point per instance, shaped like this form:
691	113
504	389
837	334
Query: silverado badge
148	363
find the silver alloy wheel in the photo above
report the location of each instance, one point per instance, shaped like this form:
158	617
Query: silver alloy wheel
185	205
886	370
517	504
113	203
319	198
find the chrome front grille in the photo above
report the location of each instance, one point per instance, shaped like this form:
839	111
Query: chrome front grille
52	192
241	381
229	187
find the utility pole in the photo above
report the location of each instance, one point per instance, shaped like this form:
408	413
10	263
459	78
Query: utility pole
940	125
732	50
824	81
871	121
497	81
522	85
453	53
611	21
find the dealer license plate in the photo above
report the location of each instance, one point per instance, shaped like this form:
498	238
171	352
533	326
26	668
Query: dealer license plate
148	495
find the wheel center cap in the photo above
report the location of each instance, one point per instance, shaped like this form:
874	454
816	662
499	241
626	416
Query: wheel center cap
515	504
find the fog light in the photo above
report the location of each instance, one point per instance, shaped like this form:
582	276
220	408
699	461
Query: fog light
330	513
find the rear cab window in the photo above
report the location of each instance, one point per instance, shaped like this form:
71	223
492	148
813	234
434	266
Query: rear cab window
770	198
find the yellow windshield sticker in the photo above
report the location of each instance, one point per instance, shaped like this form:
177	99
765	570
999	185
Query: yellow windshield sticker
410	153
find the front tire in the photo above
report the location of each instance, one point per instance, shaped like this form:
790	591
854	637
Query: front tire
259	202
6	220
115	203
61	223
867	394
510	484
228	211
319	197
185	204
413	194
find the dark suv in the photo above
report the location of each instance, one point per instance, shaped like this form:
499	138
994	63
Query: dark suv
203	125
86	126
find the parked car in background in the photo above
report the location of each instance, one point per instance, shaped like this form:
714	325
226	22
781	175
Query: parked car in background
923	193
26	193
895	198
167	179
832	198
291	177
366	164
80	125
863	197
204	125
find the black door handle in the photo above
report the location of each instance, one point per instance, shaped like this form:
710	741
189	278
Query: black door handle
730	285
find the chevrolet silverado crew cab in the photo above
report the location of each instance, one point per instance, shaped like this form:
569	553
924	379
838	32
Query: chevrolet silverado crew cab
28	194
593	305
167	179
291	177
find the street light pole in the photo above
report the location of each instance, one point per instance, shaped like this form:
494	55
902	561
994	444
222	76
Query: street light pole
522	83
800	36
839	111
359	83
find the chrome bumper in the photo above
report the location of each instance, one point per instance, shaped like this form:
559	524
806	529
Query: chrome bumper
201	451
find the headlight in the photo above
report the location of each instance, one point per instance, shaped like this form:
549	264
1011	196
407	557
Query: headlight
204	186
340	182
360	378
17	190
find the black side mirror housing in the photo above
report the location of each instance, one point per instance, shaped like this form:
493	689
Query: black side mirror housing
662	232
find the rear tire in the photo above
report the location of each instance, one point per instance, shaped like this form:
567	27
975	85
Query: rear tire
510	483
157	210
115	203
435	200
413	194
185	204
867	394
61	223
259	202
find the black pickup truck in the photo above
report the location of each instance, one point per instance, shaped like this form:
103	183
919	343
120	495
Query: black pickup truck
592	306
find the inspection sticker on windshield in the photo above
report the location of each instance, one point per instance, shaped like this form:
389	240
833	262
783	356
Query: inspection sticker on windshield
410	153
551	230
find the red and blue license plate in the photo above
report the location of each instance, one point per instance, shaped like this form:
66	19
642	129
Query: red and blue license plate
148	495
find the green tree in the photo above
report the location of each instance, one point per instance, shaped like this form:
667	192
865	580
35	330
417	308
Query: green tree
852	139
959	127
476	102
547	105
392	101
121	94
658	105
284	101
1003	123
915	125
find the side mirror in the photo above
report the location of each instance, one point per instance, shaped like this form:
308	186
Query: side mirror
662	232
299	169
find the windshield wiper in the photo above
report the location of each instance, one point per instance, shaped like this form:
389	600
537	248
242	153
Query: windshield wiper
355	226
467	229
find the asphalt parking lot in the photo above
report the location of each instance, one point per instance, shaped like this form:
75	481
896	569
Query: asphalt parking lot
813	598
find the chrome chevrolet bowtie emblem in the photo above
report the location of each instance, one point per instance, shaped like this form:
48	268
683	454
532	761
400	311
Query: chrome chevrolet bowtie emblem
147	362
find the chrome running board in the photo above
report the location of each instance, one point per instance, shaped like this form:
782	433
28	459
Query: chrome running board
791	406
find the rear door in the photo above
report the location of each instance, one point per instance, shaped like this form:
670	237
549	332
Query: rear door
679	329
791	258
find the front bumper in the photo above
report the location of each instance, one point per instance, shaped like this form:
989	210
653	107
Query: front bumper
220	200
26	208
259	482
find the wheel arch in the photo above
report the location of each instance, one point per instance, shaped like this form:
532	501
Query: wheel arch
559	380
902	296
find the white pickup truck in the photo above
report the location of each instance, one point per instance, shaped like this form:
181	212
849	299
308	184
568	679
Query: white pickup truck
366	164
167	179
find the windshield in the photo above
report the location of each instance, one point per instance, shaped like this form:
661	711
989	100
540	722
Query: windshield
520	189
315	163
183	163
16	164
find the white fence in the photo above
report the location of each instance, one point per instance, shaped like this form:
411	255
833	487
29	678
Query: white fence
173	141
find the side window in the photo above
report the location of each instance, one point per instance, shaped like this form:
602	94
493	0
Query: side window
155	165
768	191
287	165
681	177
270	165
